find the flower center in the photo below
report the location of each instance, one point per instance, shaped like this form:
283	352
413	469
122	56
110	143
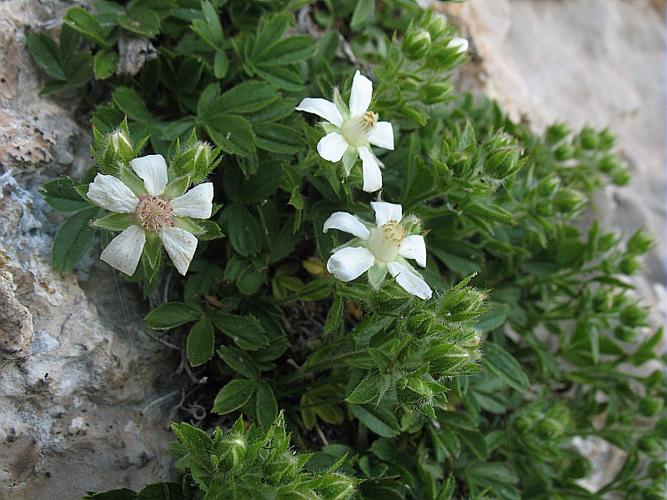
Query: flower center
356	129
154	213
384	242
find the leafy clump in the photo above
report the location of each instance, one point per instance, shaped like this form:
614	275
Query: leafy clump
480	376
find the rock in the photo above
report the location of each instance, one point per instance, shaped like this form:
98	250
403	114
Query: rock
81	405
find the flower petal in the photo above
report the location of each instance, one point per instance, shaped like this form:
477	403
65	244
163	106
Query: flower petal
124	251
197	203
109	192
382	135
332	147
344	221
350	262
180	246
461	44
153	171
322	108
409	280
371	170
385	212
361	94
414	247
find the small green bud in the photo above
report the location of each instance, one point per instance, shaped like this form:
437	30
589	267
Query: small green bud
120	145
195	160
628	266
544	208
588	138
621	177
607	241
557	132
549	428
606	139
437	26
625	334
502	162
609	163
649	445
564	152
416	44
651	407
640	242
523	424
602	301
442	56
434	92
633	315
548	186
568	201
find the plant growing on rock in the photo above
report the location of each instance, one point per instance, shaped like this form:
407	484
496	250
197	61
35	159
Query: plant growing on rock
475	378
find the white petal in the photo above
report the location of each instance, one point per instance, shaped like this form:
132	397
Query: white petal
414	247
322	108
180	245
459	43
153	170
348	223
332	147
382	135
350	263
371	170
409	280
110	193
361	94
197	203
125	250
385	212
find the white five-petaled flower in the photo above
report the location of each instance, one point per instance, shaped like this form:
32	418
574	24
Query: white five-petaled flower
351	131
379	248
152	214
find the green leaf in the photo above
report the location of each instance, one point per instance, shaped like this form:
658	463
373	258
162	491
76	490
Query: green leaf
270	32
287	51
171	315
73	240
85	23
201	342
373	422
231	132
502	364
141	21
61	194
233	396
247	332
104	64
278	138
245	233
195	441
493	318
238	361
220	64
476	442
45	53
115	222
283	77
334	317
363	14
267	406
366	390
246	97
129	102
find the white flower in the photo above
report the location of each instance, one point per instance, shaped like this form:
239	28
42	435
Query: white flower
351	131
461	44
152	212
379	248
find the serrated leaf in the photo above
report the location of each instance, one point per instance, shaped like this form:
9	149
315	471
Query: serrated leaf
201	342
61	195
45	53
247	97
104	64
267	406
287	51
502	364
73	240
231	132
366	390
85	23
247	332
243	229
239	361
278	138
171	315
233	396
373	422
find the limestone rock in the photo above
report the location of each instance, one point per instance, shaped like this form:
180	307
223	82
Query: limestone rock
77	374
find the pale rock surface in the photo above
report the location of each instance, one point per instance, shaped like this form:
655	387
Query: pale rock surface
75	369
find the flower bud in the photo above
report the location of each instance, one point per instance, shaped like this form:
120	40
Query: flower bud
544	208
640	242
606	139
564	152
621	177
625	334
236	450
460	44
588	138
416	44
523	424
434	92
437	26
314	266
548	186
607	241
651	407
609	163
633	315
195	160
502	162
549	428
649	445
628	266
557	132
568	201
120	145
602	301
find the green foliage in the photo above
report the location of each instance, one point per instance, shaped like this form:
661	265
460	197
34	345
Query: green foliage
532	336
